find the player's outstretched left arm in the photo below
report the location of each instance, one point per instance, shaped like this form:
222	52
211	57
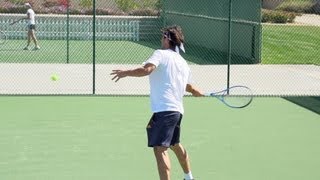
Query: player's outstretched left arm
14	22
138	72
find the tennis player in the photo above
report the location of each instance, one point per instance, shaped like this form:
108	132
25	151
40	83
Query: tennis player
31	27
169	77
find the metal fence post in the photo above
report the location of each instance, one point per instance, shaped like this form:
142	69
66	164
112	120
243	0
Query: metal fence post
229	43
94	46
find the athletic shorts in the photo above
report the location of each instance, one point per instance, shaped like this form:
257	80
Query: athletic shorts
163	129
32	26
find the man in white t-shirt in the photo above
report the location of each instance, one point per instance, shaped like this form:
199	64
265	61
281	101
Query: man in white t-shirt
170	77
31	27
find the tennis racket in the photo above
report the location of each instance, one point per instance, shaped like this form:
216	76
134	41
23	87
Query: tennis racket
234	97
14	22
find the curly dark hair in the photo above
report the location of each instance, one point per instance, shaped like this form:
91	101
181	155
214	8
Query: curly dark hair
174	34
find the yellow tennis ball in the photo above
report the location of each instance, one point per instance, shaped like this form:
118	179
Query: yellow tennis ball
54	77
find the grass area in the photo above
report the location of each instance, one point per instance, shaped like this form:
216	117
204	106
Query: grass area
283	44
78	137
297	1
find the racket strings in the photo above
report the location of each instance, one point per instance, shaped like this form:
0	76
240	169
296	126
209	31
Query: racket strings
236	96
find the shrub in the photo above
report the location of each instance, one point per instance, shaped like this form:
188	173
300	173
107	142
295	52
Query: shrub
315	8
277	16
65	3
18	2
144	12
86	3
297	7
101	11
146	4
74	11
126	5
13	9
50	3
141	7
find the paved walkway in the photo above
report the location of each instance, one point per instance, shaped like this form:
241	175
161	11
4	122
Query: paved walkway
264	80
308	19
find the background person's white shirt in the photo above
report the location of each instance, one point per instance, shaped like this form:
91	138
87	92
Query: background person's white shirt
32	17
168	81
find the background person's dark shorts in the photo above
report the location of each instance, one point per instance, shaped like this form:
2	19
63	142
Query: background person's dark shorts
163	129
32	26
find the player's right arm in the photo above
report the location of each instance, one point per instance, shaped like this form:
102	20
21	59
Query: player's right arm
194	91
18	20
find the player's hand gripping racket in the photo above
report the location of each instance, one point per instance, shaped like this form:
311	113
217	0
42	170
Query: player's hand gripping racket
234	97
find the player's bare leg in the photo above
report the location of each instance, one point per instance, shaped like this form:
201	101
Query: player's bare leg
33	36
183	157
28	40
163	162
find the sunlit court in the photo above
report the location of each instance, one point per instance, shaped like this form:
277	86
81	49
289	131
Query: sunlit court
79	137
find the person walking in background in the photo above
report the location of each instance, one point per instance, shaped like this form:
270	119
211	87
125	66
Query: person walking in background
169	77
31	27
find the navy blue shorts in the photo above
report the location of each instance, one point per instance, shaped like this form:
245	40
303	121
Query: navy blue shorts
163	129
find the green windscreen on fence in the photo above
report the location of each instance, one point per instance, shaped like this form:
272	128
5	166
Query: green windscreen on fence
206	26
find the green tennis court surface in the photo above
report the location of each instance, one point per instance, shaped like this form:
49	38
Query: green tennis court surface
107	52
99	137
55	51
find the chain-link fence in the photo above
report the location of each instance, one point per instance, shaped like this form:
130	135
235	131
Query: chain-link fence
82	41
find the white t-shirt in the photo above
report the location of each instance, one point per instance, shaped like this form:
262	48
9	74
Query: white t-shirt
32	17
168	81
